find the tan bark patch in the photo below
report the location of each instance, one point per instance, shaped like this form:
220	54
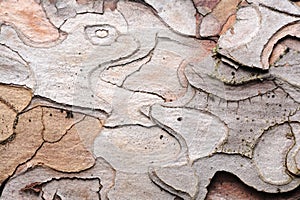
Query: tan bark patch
7	118
15	97
57	122
26	141
67	155
88	129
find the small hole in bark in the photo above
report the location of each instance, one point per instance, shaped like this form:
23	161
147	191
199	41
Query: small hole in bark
232	73
179	119
50	114
287	50
161	137
278	190
69	114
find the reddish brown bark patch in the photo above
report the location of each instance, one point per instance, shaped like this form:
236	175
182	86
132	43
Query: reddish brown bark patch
28	17
227	186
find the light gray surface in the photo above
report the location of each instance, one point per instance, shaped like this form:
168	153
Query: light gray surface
166	110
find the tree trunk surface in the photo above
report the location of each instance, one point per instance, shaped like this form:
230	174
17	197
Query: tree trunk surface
149	99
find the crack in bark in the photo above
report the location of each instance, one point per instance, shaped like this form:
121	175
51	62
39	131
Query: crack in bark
56	105
279	11
128	125
8	105
65	132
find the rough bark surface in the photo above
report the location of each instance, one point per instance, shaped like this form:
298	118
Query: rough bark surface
149	99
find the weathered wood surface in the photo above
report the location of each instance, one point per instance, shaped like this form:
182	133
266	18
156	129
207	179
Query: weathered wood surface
149	99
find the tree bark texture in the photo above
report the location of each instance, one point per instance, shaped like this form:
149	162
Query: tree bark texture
149	99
